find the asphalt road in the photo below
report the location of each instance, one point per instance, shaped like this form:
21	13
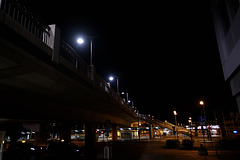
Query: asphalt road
158	151
135	150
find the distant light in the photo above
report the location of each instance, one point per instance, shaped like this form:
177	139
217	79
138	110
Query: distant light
235	132
80	41
201	103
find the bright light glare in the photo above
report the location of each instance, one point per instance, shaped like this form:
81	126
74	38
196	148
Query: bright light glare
175	113
80	41
111	78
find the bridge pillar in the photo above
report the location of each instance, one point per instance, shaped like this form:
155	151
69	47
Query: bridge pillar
41	133
151	131
114	132
90	140
65	131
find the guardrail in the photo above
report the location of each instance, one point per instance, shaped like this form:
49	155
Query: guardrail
22	14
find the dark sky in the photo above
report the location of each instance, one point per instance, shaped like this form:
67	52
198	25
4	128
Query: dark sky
165	53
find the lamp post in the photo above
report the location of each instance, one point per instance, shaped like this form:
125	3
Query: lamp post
190	121
190	124
175	114
139	125
111	78
205	150
202	104
80	40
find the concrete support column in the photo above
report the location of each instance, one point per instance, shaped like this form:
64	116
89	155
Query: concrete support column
65	131
114	132
90	140
151	131
2	134
41	133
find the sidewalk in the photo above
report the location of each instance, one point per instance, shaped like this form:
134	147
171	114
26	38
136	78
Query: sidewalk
189	155
225	155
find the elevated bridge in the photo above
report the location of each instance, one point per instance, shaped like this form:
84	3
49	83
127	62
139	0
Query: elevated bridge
42	77
168	125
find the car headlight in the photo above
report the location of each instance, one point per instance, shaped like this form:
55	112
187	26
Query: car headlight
32	149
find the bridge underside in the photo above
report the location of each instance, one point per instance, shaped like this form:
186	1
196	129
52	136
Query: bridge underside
32	86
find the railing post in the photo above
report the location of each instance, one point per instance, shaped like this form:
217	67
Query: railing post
55	42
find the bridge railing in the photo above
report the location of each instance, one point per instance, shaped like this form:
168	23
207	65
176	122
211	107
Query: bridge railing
73	58
26	18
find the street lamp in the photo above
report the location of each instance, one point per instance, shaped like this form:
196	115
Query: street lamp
205	150
80	40
175	114
190	121
202	104
111	78
190	125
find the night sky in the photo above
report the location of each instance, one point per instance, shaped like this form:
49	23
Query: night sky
165	53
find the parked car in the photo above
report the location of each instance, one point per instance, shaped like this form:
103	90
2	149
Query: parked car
69	149
22	151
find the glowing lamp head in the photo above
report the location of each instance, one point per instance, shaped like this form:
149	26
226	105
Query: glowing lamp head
80	41
111	78
175	113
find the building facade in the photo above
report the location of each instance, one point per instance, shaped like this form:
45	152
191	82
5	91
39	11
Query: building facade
226	19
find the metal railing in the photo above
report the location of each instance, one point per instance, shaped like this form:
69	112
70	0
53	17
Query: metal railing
26	18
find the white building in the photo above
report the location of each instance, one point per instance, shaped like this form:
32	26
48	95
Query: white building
226	18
